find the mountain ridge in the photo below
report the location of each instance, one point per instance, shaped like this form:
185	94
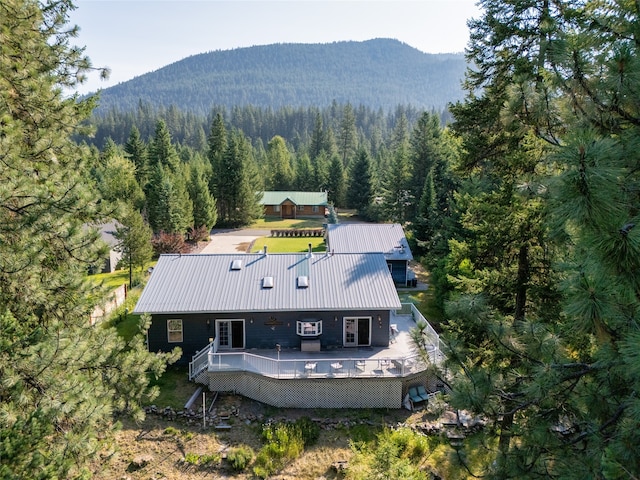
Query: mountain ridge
380	73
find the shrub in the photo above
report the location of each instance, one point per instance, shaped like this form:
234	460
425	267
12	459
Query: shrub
309	430
199	234
240	457
191	458
283	444
169	243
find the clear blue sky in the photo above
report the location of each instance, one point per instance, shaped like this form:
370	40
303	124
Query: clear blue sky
133	37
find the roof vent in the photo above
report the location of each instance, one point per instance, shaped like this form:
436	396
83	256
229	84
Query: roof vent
267	282
236	264
265	250
310	252
303	281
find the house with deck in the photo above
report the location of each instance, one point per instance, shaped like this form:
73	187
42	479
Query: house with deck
291	330
385	238
294	204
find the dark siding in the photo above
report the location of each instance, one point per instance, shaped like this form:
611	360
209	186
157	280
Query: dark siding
263	330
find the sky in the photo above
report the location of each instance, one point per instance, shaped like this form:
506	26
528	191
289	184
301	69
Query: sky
133	37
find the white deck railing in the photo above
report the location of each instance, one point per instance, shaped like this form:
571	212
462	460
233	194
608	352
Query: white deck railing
315	367
209	358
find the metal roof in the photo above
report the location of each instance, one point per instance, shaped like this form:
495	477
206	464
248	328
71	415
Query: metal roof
386	238
206	283
298	198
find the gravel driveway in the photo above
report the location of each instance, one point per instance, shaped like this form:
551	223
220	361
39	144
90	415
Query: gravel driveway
233	241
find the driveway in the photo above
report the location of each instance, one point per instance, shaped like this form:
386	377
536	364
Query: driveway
233	240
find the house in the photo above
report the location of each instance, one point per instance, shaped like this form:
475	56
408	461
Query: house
294	204
387	238
254	301
297	330
107	234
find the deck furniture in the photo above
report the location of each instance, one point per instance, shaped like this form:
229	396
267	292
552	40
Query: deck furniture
423	392
416	398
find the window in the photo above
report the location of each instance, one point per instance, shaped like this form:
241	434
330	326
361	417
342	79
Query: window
174	331
276	208
315	209
301	208
309	328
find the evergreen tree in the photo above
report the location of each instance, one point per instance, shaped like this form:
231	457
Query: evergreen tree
204	205
238	184
305	179
169	207
396	184
336	183
63	380
360	193
347	136
161	149
136	150
134	242
557	370
116	179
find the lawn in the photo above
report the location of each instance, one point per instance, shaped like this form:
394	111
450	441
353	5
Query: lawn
111	280
289	244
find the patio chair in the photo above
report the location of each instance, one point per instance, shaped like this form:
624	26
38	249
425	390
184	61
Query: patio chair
422	392
415	397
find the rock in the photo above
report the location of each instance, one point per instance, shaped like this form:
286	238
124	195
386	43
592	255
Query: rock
140	462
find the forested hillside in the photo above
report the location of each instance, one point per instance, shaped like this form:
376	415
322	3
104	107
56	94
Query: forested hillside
524	210
380	73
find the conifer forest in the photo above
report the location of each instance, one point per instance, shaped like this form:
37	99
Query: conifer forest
521	200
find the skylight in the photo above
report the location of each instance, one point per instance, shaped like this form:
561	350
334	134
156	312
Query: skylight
267	282
236	264
303	281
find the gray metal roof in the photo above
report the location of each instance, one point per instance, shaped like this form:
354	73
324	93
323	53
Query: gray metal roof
386	238
207	283
298	198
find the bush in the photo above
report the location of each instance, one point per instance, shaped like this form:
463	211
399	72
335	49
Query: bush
284	444
169	243
240	457
309	430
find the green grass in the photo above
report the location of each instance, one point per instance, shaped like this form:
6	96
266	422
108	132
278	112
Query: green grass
269	223
424	302
175	388
111	280
289	244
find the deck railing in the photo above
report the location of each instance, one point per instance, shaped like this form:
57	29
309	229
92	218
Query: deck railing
314	367
432	342
210	359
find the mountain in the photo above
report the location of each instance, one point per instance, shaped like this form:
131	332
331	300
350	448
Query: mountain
379	73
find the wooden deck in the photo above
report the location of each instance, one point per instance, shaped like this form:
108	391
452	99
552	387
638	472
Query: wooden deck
366	377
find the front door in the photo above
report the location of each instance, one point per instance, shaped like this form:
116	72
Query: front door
230	334
357	331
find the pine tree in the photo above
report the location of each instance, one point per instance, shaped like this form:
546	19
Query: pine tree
161	149
63	380
558	369
347	136
238	184
305	179
136	150
204	205
360	192
169	207
134	242
336	182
